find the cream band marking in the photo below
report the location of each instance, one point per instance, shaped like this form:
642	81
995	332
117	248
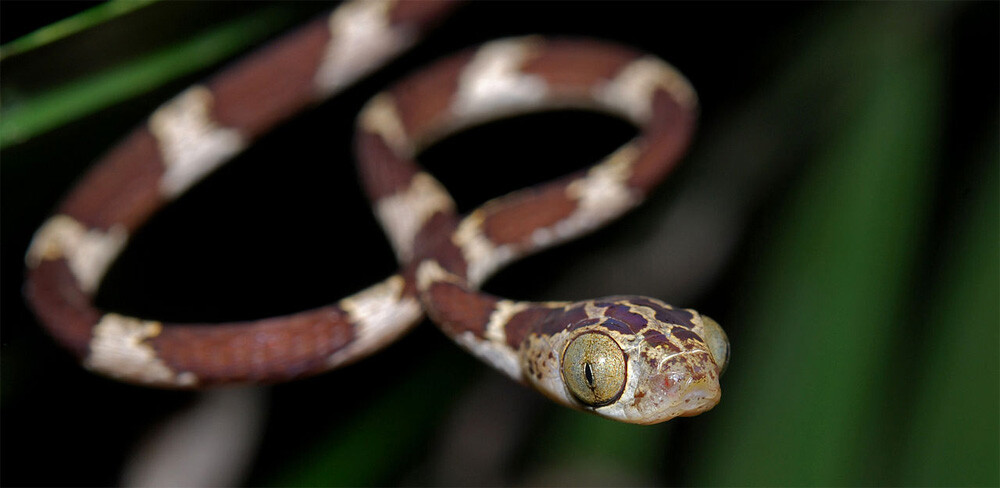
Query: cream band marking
593	311
361	40
380	116
504	311
603	194
403	214
492	84
482	255
88	252
430	271
501	358
631	92
191	143
380	314
119	349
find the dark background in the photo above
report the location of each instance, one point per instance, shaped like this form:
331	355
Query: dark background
785	90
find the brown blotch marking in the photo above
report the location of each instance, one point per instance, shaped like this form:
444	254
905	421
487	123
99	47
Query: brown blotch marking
524	322
272	84
674	316
698	370
568	319
693	364
685	334
421	15
622	313
663	141
433	240
61	306
574	314
575	66
383	173
518	215
655	338
653	362
459	310
123	188
616	325
679	360
409	274
275	349
682	318
637	397
423	100
577	325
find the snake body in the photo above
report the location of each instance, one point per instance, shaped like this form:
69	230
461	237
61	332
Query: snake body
633	359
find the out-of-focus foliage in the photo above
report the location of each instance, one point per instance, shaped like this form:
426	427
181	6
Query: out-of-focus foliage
855	146
843	290
25	115
82	21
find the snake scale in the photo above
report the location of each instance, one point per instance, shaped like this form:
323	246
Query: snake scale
633	359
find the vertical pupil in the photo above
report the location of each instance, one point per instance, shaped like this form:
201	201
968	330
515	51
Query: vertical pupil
589	373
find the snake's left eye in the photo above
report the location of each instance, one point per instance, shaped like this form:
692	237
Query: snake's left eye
717	342
593	367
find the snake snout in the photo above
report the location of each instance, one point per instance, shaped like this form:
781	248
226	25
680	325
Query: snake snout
690	383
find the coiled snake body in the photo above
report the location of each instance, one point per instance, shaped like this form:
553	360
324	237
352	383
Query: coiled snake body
633	359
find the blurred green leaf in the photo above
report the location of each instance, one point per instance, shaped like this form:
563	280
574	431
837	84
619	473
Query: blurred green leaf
952	437
583	449
830	295
71	25
81	97
367	449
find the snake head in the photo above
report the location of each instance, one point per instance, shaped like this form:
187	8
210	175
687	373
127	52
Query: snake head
672	383
633	359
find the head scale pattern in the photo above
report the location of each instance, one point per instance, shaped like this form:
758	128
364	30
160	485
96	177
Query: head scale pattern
632	359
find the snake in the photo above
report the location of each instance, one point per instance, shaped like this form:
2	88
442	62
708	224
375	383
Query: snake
628	358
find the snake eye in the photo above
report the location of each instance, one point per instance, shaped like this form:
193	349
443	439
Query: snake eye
593	367
717	342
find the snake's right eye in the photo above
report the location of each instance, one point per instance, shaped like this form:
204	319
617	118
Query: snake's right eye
593	368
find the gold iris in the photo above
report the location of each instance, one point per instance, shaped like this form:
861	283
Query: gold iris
593	367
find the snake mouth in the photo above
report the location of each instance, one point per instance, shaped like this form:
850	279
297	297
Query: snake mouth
688	383
698	400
